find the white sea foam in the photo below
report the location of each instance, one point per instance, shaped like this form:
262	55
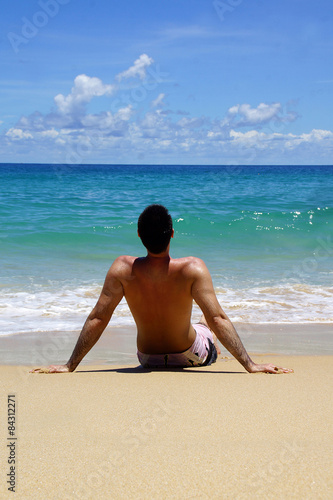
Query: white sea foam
67	309
294	303
56	310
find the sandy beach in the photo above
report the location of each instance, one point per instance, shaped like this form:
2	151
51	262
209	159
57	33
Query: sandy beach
216	432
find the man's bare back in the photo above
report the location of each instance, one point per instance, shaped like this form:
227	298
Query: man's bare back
160	291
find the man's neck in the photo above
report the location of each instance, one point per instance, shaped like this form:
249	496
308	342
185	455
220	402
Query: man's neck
158	258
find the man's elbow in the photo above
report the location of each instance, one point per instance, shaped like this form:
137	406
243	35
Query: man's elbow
98	320
216	321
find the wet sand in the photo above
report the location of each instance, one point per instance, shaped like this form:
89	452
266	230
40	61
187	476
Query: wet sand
117	345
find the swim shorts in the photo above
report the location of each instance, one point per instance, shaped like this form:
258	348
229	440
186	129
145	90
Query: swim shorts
201	353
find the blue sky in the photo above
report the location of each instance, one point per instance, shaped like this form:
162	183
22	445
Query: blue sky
182	81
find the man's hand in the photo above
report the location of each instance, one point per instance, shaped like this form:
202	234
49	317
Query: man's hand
51	369
268	368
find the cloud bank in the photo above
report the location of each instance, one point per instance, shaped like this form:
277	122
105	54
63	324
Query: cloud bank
138	126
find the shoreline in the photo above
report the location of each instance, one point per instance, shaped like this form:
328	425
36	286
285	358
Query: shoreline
117	345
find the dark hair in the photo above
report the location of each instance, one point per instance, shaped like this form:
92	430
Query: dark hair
155	228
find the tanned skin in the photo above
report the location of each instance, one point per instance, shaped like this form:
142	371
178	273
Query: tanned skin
160	291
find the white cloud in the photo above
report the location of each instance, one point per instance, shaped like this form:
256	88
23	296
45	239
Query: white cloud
317	135
191	122
262	113
244	115
250	135
138	69
314	137
52	134
251	140
216	136
18	134
85	88
261	140
125	113
158	102
108	123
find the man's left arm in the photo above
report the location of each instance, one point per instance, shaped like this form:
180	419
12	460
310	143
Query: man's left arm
97	321
217	320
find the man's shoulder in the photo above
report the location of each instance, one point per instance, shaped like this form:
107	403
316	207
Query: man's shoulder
190	260
122	264
191	265
125	259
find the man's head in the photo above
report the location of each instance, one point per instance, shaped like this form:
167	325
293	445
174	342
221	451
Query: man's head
155	228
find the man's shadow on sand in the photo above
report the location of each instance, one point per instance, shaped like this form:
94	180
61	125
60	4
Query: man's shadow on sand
139	369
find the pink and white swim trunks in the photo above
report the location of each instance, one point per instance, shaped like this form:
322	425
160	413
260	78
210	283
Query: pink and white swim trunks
201	353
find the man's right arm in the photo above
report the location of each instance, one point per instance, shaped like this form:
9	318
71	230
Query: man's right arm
204	295
98	319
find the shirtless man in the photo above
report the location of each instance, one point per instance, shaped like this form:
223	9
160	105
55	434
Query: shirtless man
159	291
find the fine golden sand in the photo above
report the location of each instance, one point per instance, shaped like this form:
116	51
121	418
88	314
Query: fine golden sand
109	432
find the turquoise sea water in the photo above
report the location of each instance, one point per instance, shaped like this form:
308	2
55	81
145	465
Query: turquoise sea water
265	234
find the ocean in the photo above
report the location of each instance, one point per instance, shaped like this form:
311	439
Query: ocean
265	233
